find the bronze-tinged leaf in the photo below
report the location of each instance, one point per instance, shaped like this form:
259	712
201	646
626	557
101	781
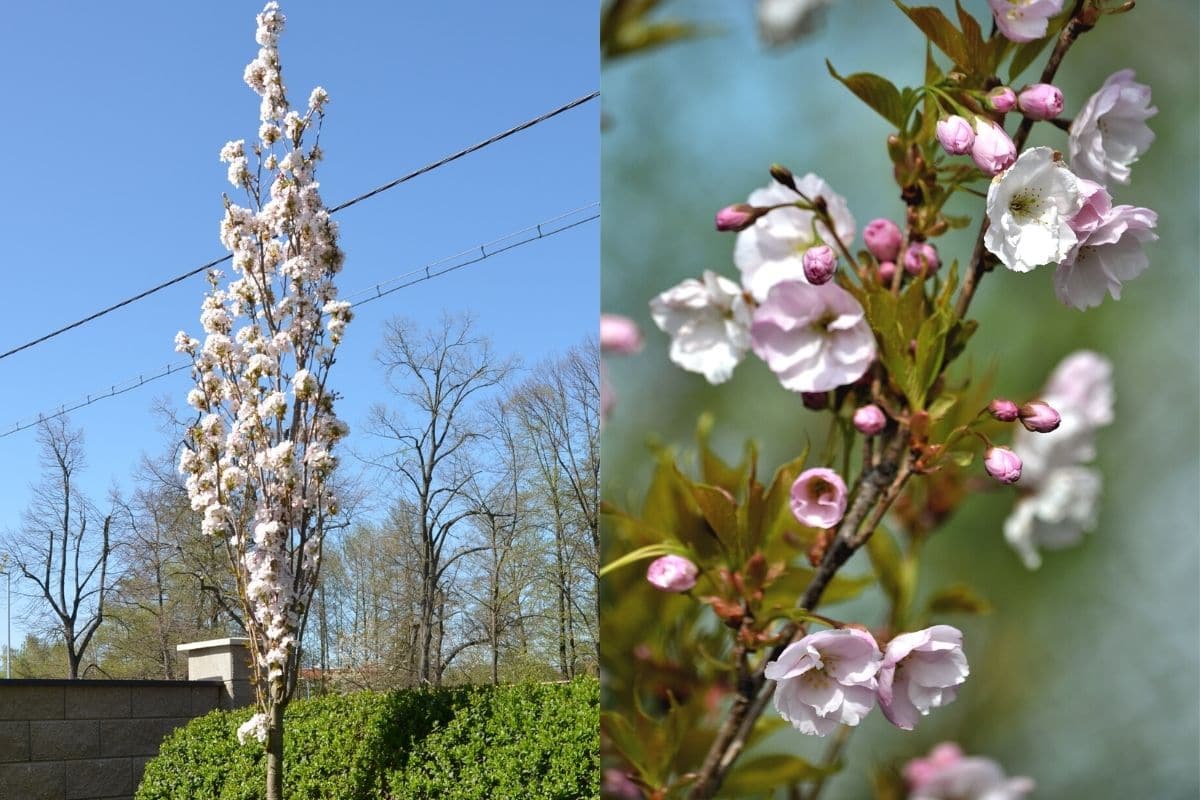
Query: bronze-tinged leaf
720	512
977	49
877	92
714	469
941	31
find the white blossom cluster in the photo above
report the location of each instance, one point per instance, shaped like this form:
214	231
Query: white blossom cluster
261	455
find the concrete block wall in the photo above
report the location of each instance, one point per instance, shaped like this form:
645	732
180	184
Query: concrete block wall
90	740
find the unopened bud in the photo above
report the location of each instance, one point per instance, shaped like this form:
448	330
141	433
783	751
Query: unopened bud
737	217
993	151
1002	99
1039	417
887	271
619	334
672	574
783	175
883	239
815	401
820	263
870	420
1041	101
1002	464
921	258
1004	410
955	135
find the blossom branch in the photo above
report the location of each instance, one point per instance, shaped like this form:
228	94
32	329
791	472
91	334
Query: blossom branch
1083	19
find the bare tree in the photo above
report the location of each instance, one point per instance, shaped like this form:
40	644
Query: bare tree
439	374
64	543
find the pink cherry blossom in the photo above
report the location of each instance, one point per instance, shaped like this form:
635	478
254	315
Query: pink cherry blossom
814	338
772	249
826	679
672	573
1023	20
819	497
1111	254
1110	132
920	671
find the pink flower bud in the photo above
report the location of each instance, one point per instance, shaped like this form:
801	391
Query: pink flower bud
1002	99
819	498
883	239
815	401
887	271
870	420
1002	464
1041	101
619	334
820	263
1004	410
921	258
1039	417
736	217
672	574
956	135
993	151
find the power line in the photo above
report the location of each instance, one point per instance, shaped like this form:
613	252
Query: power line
366	195
518	238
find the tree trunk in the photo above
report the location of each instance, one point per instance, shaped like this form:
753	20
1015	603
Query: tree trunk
275	754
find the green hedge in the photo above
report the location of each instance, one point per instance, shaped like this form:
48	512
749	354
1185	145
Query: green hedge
534	741
540	742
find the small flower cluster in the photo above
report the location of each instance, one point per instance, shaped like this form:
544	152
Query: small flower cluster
259	465
1060	493
811	332
1042	211
834	677
946	774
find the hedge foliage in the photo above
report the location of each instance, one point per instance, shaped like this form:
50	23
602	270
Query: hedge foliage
466	743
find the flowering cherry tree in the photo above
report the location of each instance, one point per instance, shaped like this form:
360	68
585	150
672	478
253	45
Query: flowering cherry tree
872	336
261	455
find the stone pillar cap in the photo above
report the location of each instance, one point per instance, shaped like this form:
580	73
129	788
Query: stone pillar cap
232	641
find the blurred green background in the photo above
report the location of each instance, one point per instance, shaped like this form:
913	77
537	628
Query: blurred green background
1086	676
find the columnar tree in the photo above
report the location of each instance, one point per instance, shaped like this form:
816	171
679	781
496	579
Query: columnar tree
261	454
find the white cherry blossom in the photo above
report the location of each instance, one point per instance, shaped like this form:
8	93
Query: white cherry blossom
1029	208
708	321
1110	132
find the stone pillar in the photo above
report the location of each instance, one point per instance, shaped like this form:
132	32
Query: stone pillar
225	660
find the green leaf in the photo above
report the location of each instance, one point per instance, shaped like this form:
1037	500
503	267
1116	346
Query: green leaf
642	553
713	469
624	738
956	340
671	508
939	408
958	599
787	588
877	92
931	348
767	773
941	31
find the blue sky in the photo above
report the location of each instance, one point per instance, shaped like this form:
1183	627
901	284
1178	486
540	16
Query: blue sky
113	185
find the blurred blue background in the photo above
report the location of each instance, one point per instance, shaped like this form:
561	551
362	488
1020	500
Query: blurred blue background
1085	677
